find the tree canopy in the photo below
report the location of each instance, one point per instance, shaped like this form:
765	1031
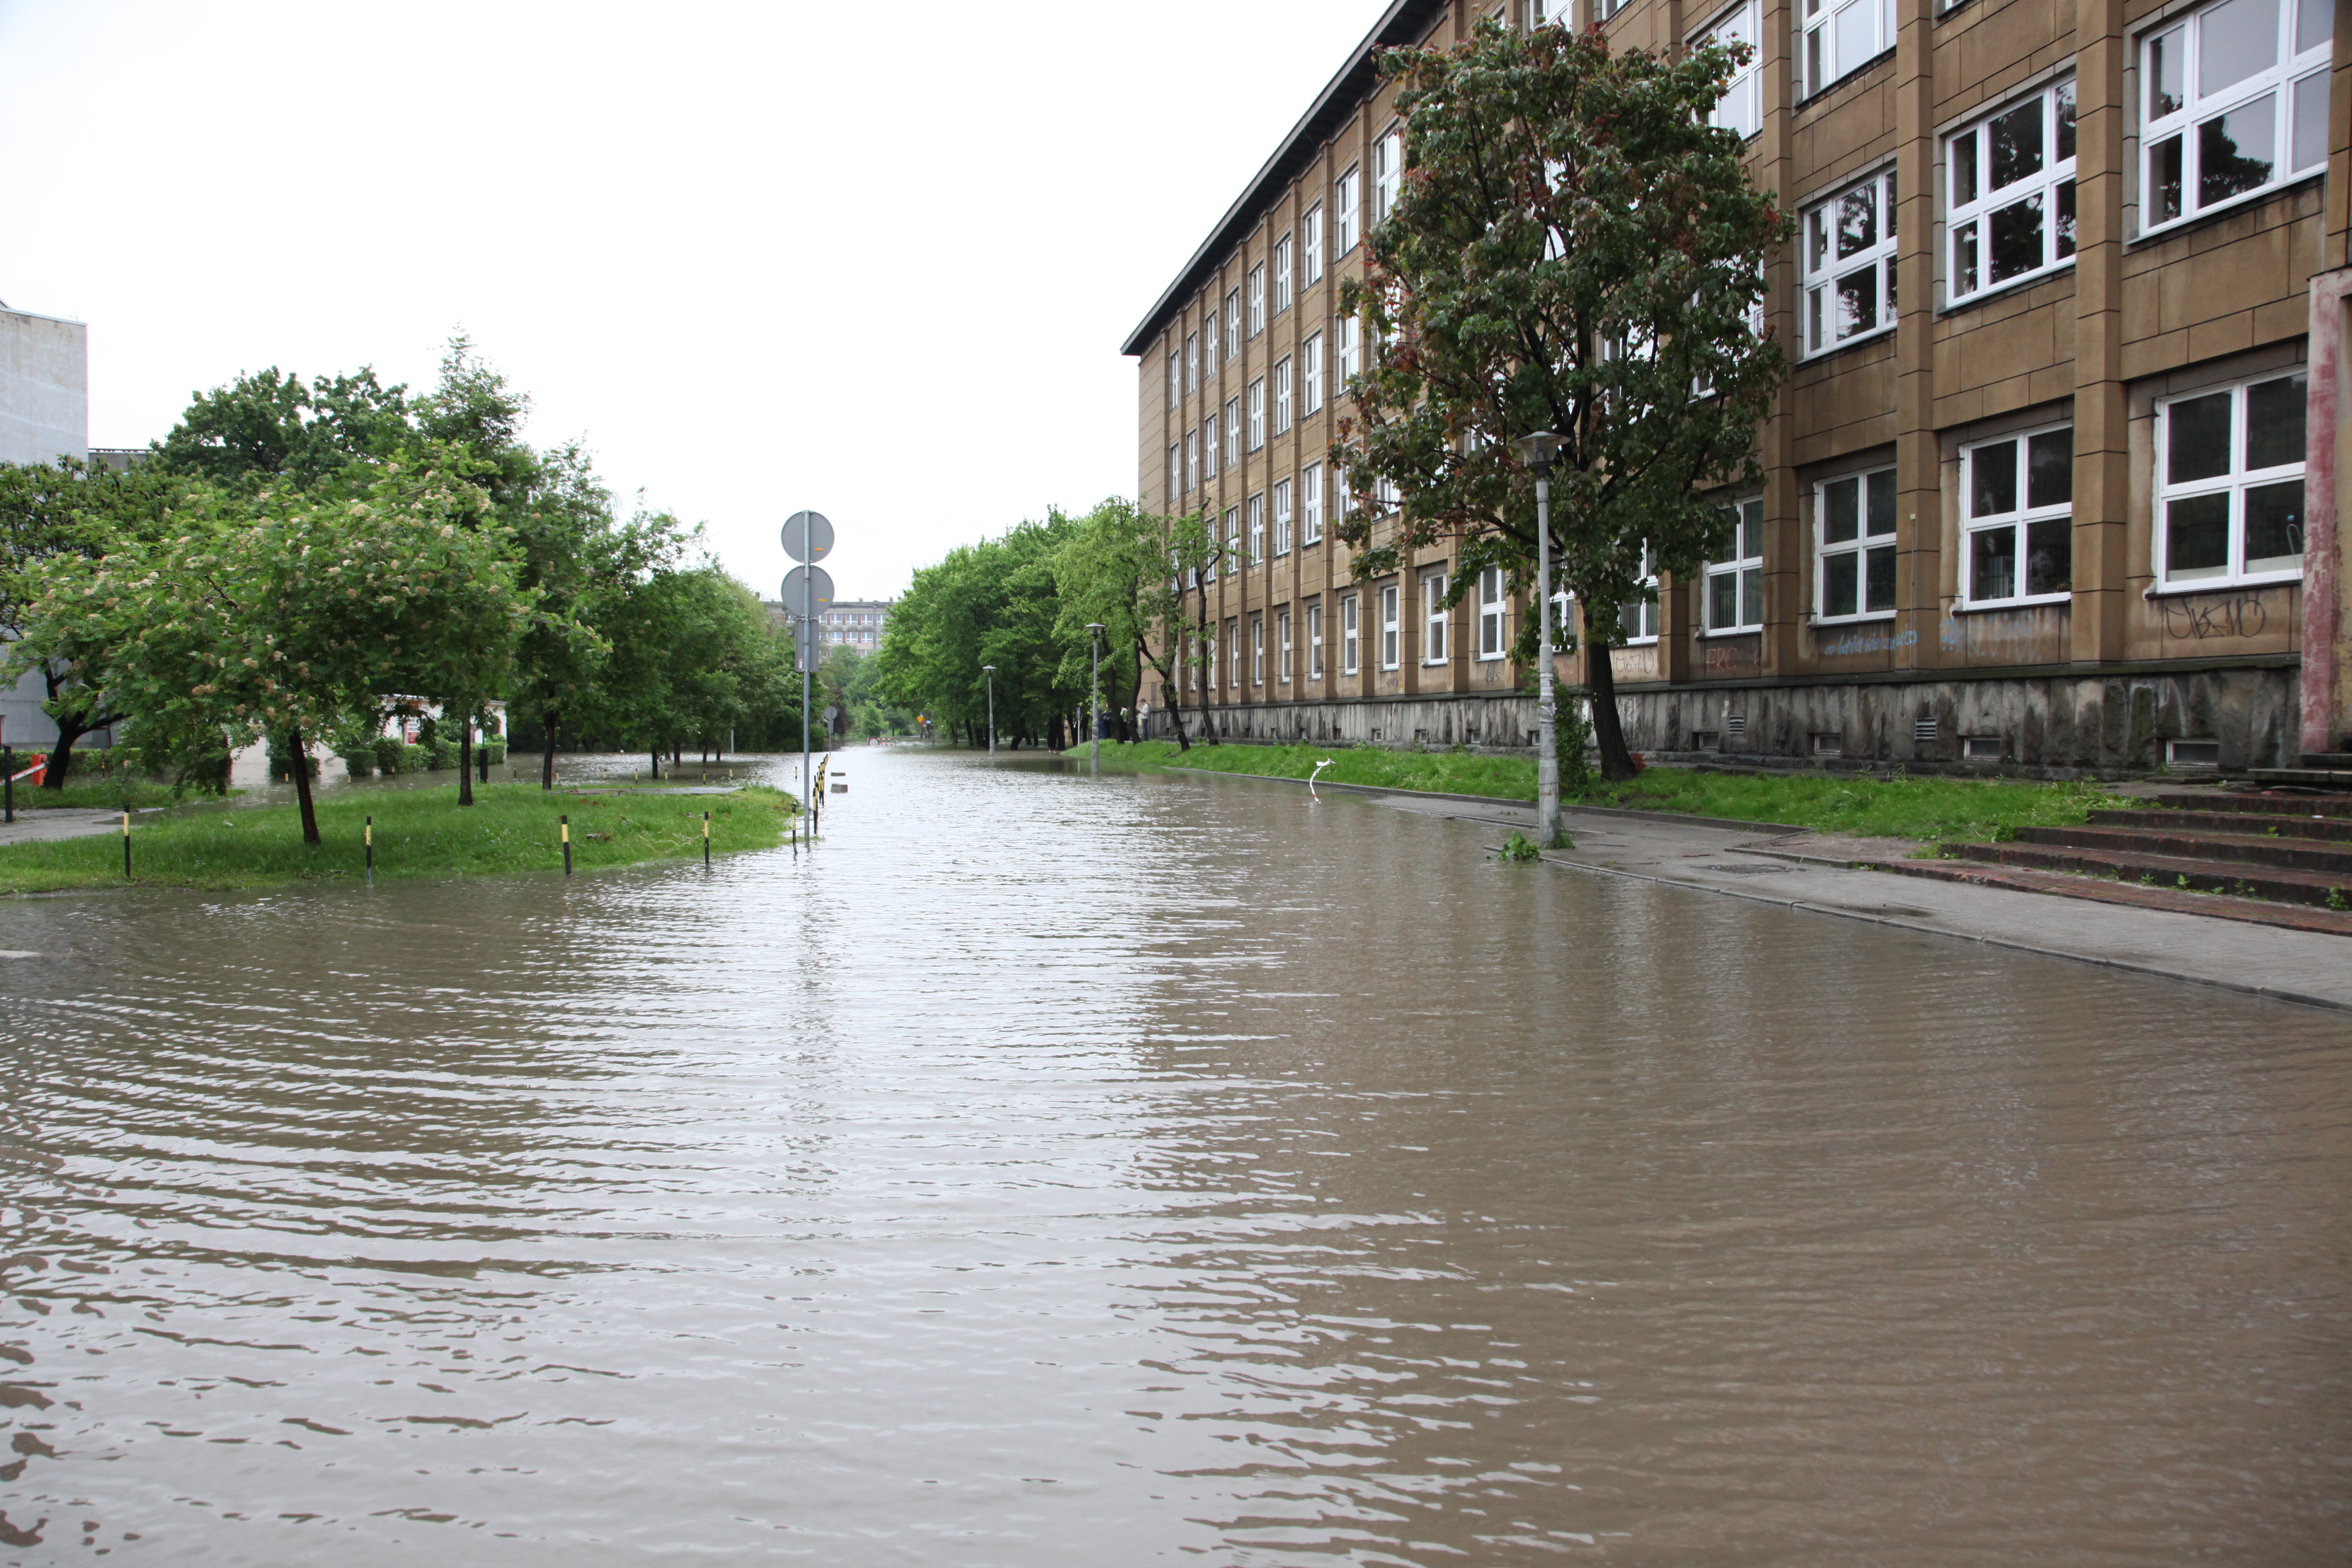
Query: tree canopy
1575	249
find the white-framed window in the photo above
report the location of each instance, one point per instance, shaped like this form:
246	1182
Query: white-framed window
1209	356
1390	632
1602	9
1386	496
1741	106
1310	245
1232	322
1853	546
1257	650
2017	511
1212	671
1175	379
1310	374
1351	640
1282	275
1175	474
1257	414
1210	431
2229	484
1637	622
1234	535
1232	432
1349	331
1840	39
1281	396
2010	181
1546	13
1347	201
1315	640
1191	362
1256	505
1191	459
1282	517
1734	586
1433	618
1491	618
1311	504
1342	500
2237	104
1234	666
1281	647
1257	299
1388	172
1848	265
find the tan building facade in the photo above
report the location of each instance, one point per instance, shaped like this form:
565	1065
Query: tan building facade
2051	485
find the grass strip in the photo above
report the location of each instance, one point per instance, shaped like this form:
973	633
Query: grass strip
1926	807
510	828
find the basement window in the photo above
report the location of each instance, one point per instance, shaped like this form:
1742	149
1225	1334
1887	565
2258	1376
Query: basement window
1706	740
2192	754
1981	748
1829	745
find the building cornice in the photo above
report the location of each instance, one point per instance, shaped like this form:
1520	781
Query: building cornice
1406	22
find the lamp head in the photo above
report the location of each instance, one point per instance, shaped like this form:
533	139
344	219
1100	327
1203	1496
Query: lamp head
1538	449
988	669
1094	628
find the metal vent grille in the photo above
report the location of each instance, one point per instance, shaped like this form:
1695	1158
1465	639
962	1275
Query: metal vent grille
1735	723
1924	731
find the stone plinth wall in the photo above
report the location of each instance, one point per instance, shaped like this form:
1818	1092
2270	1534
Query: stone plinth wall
1497	723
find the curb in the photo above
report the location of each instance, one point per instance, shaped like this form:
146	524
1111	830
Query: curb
1565	810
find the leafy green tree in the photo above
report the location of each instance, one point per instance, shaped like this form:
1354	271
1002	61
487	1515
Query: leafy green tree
273	428
282	615
68	512
1575	249
1135	573
992	603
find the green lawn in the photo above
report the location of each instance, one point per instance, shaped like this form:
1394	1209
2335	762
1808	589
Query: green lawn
512	827
1925	806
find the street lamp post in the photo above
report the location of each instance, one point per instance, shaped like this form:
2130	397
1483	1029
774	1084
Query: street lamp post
1094	635
989	671
1538	449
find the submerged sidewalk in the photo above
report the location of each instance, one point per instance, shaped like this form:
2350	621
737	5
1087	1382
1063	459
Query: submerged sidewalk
42	825
1755	861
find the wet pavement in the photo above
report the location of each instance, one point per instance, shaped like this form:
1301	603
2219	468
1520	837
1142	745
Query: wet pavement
1049	1171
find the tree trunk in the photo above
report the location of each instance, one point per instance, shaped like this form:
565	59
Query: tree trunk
466	760
1616	761
548	719
657	757
299	754
61	754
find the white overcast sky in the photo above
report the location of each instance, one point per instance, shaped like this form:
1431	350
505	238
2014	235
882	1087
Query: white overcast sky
875	259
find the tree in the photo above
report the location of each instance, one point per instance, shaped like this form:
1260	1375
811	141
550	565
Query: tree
992	603
282	615
1133	572
1574	249
268	428
66	513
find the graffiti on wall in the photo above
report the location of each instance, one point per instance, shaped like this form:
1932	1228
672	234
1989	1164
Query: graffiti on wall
1737	656
2242	614
1876	640
1635	662
2019	636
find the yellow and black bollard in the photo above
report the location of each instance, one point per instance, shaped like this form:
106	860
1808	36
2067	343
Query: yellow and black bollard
706	839
126	846
564	822
369	829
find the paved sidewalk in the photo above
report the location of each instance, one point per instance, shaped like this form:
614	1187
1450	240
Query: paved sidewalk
48	823
2309	968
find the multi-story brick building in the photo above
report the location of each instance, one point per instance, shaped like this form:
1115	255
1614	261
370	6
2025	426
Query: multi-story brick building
2053	481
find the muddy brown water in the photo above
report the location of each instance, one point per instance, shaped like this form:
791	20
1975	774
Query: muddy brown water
1046	1172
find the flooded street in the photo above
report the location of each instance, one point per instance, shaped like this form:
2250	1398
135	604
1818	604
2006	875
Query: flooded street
1045	1171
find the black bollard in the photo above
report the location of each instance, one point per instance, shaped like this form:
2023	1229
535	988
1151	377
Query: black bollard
706	839
369	829
565	823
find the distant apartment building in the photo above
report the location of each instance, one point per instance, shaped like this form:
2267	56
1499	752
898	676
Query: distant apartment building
2054	482
855	623
44	416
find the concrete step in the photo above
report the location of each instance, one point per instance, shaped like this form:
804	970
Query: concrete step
2099	890
2241	848
2185	873
2335	830
2257	804
2305	778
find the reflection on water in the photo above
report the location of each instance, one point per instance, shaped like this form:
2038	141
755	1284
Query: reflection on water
1045	1171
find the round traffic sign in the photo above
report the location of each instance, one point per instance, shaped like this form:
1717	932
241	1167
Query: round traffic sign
808	536
818	590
